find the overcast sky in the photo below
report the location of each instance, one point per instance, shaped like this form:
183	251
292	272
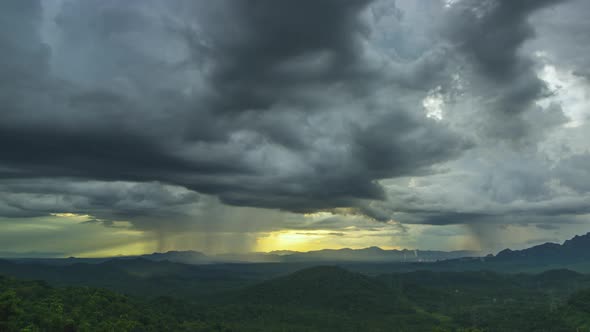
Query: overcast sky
254	125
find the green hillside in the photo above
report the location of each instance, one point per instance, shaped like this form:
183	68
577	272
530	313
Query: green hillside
322	298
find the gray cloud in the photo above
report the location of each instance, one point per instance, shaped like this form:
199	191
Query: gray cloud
108	200
489	36
266	52
573	172
164	113
492	32
562	35
280	114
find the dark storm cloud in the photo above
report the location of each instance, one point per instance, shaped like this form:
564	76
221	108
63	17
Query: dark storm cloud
563	35
262	103
573	172
108	200
490	35
493	188
401	143
264	52
21	52
137	110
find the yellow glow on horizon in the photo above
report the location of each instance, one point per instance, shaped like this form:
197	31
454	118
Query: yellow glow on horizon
333	212
136	248
70	215
321	214
320	239
292	240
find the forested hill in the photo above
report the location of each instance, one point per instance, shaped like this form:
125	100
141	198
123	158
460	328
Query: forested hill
317	299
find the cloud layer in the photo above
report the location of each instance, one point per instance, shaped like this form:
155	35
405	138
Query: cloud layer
431	113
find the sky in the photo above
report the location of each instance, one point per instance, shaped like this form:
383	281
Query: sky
129	127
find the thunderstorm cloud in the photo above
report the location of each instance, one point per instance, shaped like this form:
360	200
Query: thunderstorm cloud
181	113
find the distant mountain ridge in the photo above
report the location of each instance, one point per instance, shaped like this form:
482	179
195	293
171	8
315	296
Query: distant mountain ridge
572	250
376	254
570	254
371	254
187	257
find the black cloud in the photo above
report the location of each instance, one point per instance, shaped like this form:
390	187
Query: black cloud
265	52
490	35
132	110
281	112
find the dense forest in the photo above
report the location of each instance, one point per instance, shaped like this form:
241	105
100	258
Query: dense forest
313	299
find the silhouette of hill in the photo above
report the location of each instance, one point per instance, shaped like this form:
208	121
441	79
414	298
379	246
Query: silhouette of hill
186	257
375	255
574	250
136	272
135	276
340	299
369	255
328	287
366	255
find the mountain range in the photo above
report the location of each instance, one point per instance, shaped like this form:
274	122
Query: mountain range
570	254
572	250
369	255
